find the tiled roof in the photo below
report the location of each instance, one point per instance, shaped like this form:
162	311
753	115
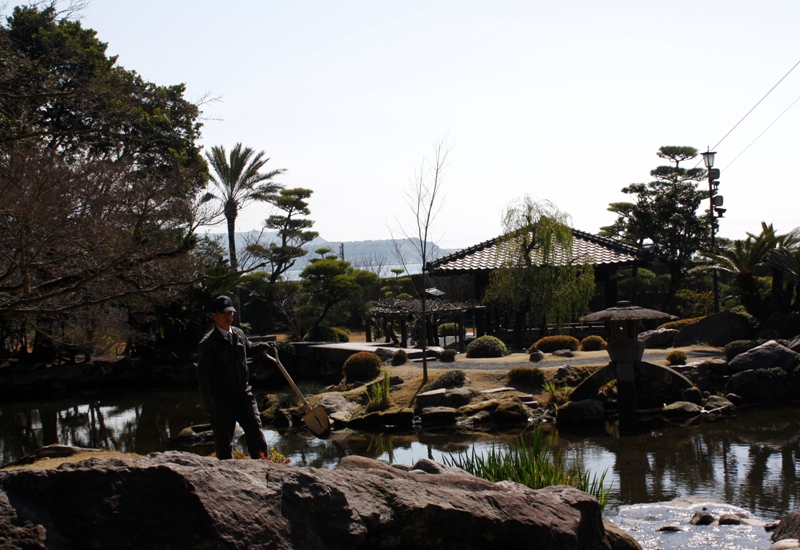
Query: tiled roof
586	248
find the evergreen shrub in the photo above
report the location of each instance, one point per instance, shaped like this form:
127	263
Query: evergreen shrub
449	379
448	329
362	366
400	357
549	344
526	376
447	356
486	346
680	323
593	343
732	349
676	357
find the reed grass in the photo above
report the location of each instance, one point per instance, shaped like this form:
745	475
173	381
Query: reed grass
532	462
378	393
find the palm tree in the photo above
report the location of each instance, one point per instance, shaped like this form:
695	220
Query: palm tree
239	182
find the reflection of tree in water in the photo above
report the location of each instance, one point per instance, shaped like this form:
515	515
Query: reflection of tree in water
750	461
21	433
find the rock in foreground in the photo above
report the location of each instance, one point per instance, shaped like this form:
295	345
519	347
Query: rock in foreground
180	500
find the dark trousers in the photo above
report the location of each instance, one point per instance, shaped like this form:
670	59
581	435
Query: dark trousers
233	407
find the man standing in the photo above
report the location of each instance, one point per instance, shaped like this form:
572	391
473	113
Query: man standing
225	383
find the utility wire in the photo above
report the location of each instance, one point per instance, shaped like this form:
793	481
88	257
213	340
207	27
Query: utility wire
754	106
762	133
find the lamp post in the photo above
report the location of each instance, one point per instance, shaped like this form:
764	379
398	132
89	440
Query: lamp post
715	210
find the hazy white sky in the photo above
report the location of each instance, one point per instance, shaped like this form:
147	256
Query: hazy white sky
567	101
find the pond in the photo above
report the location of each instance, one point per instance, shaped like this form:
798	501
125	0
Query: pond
750	462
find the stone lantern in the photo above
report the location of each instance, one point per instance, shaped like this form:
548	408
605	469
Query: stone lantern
625	351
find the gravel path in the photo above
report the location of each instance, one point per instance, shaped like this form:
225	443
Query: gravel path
599	358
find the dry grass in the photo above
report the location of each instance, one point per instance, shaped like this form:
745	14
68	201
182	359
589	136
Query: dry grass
51	463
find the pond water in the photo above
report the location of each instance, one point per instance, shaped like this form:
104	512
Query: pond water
750	463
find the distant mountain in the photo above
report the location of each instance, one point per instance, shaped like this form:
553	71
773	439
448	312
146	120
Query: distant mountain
379	256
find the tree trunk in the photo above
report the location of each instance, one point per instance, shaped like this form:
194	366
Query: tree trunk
230	216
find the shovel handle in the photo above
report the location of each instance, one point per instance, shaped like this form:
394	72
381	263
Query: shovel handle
289	379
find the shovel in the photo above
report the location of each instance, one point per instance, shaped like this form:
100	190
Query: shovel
316	419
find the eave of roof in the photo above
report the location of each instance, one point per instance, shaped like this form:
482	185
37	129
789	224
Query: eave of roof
587	247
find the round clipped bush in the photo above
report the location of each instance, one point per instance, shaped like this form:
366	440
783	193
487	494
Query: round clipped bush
362	366
448	329
593	343
486	346
680	323
329	334
676	357
549	344
447	356
449	379
400	357
526	376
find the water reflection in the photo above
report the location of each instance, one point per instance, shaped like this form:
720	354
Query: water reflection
751	461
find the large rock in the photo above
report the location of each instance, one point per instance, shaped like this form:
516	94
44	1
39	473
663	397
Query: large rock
788	528
714	330
180	500
767	355
660	338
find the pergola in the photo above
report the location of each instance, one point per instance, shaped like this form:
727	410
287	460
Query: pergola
402	312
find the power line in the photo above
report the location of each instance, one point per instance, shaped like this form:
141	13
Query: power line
762	133
754	106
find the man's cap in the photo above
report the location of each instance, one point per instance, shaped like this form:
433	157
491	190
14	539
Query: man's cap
222	304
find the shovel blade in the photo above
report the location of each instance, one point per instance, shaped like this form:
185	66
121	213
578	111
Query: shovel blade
317	422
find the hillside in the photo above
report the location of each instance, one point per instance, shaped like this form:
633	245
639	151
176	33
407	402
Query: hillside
379	256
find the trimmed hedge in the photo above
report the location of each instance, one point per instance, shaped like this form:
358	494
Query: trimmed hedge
400	357
526	376
449	379
447	356
549	344
486	346
362	367
449	329
680	323
593	343
676	357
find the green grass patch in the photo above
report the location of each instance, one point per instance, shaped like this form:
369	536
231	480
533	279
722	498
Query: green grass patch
533	462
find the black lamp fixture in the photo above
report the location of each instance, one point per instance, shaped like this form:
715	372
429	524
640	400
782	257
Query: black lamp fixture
715	211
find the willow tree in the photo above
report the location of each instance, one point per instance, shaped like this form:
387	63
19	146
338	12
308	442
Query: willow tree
539	276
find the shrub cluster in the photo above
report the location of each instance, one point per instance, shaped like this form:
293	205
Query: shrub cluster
448	329
732	349
400	357
329	334
676	357
593	343
486	346
447	356
449	379
680	323
526	376
549	344
362	366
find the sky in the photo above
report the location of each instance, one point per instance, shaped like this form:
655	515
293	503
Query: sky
564	101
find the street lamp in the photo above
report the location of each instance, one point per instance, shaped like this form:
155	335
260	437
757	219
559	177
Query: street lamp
715	211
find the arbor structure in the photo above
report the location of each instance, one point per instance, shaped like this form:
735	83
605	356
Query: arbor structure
539	278
239	181
665	213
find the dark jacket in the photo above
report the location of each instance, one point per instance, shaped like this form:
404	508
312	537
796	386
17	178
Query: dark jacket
221	365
